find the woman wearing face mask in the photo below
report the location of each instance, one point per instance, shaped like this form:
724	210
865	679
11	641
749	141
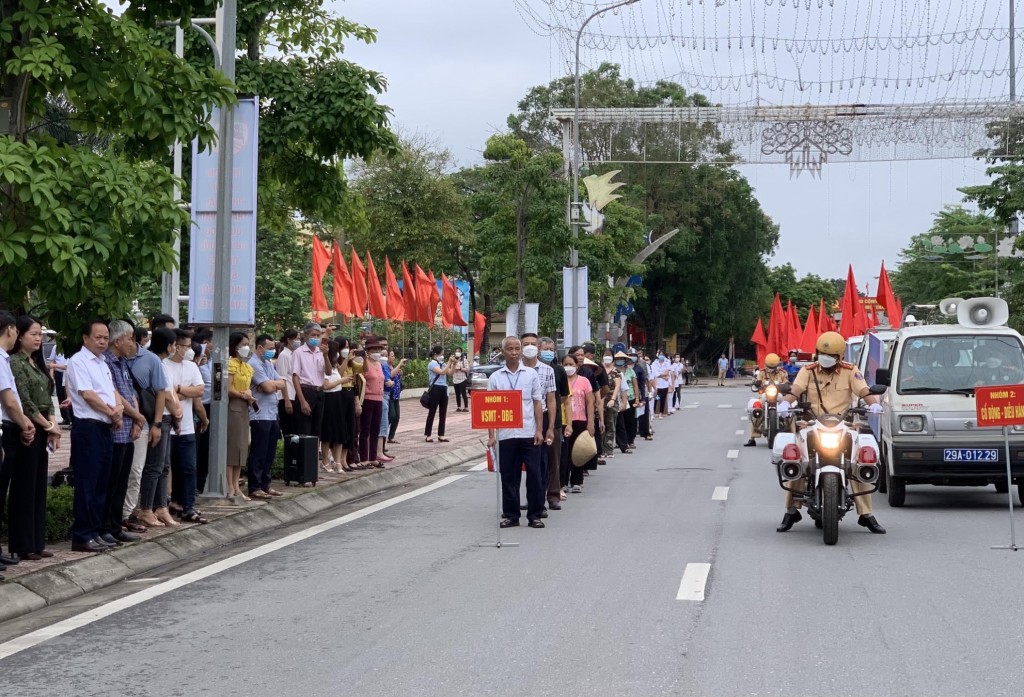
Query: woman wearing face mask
335	430
357	365
460	379
581	413
289	342
239	399
395	408
611	405
437	395
373	405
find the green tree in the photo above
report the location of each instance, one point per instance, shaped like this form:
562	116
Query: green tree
805	292
82	216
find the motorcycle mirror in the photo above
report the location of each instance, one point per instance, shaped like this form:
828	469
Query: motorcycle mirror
878	388
882	377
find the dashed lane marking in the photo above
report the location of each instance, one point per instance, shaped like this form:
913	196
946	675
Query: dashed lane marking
721	493
733	454
695	579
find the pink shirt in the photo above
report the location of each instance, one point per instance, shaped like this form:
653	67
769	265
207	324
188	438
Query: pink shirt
308	364
578	399
374	376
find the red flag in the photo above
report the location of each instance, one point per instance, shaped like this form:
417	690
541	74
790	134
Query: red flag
795	331
446	303
409	297
823	319
760	341
479	327
321	260
850	324
396	307
342	284
777	328
886	298
359	290
423	297
457	319
435	299
898	321
376	296
810	335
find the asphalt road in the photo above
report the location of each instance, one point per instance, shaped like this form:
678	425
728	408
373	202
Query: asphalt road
404	601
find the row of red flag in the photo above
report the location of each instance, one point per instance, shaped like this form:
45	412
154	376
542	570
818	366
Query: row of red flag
360	290
785	331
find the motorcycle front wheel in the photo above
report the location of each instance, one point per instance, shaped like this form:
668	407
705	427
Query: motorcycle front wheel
773	426
830	488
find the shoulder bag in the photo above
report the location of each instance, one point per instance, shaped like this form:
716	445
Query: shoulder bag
425	397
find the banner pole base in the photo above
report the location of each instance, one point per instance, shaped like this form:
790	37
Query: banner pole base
1009	494
498	544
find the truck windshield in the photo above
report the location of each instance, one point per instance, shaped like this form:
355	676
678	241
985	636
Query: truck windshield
959	363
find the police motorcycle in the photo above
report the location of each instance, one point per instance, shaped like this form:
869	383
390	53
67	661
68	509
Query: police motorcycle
825	455
768	409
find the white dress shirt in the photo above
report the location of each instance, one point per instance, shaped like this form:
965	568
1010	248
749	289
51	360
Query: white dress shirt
89	372
528	382
7	382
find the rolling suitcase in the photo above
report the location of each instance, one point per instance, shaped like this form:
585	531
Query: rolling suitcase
301	459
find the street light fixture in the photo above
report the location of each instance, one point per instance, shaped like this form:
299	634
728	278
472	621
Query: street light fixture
574	214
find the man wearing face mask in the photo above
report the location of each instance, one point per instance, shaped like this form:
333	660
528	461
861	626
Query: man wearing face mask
531	353
460	380
285	408
308	372
187	383
831	386
554	484
264	431
661	378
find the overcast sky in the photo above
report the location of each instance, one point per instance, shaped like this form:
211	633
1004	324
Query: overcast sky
457	68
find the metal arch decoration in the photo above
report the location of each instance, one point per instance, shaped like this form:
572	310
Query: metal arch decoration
806	145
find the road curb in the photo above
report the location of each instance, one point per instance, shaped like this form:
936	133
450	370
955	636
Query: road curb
63	582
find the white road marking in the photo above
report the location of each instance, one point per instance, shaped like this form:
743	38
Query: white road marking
478	468
744	418
740	432
721	493
733	454
695	578
725	406
143	580
81	620
691	406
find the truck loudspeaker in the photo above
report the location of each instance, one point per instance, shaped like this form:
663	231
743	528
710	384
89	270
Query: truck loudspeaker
983	312
948	306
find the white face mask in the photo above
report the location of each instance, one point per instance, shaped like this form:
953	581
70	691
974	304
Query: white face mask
458	354
243	351
826	361
607	360
171	350
570	370
295	344
344	353
189	355
375	356
530	351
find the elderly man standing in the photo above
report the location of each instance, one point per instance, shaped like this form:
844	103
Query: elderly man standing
531	359
550	358
308	372
122	348
520	446
98	411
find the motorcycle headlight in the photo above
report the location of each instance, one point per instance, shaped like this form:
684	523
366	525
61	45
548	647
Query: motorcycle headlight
829	440
771	392
912	424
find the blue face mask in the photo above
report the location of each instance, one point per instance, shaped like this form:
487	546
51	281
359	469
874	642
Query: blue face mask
313	343
269	354
620	363
547	356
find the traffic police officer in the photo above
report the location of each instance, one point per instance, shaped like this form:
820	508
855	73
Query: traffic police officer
775	373
831	385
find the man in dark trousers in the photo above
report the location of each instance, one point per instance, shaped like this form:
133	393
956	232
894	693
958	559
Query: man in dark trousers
520	446
642	378
549	355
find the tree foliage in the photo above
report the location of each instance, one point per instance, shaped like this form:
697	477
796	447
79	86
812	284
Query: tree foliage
82	217
805	292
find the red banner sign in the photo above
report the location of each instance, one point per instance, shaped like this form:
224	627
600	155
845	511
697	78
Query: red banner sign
1000	405
497	409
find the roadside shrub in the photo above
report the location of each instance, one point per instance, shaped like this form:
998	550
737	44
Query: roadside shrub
59	513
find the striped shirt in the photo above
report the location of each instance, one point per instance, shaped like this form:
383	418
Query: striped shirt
123	384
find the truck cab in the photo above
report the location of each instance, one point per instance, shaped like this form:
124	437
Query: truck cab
929	430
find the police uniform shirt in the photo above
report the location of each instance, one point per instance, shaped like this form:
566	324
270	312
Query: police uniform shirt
778	375
838	387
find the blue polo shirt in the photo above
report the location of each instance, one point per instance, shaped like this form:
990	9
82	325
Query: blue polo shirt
262	371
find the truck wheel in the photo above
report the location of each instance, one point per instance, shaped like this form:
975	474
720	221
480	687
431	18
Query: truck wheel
1020	491
896	490
883	464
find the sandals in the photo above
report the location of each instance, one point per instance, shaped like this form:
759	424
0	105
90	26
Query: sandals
275	493
194	517
260	494
506	523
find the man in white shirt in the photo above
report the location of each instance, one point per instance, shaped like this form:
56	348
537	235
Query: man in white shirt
98	409
187	383
17	426
661	379
520	446
678	374
289	342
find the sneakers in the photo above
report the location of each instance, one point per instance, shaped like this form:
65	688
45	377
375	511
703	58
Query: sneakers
576	489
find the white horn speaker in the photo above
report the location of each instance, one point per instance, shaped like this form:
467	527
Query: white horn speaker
948	306
983	312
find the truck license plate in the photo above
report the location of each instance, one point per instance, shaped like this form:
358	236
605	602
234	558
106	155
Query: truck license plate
970	455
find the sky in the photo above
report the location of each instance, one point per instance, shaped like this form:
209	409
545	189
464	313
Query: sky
457	68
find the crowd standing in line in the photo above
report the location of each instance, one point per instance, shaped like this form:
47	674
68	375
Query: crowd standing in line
138	401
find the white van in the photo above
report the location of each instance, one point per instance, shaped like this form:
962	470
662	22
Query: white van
929	425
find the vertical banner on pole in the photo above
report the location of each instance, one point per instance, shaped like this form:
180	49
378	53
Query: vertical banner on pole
582	305
496	409
1002	405
203	252
512	319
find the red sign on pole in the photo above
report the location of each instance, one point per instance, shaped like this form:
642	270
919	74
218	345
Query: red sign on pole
497	409
1000	405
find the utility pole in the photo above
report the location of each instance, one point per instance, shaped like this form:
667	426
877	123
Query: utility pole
574	213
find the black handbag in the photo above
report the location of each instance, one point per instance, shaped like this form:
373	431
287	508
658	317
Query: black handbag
146	398
425	397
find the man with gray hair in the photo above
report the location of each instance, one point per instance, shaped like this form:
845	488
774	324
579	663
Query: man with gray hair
120	349
308	372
